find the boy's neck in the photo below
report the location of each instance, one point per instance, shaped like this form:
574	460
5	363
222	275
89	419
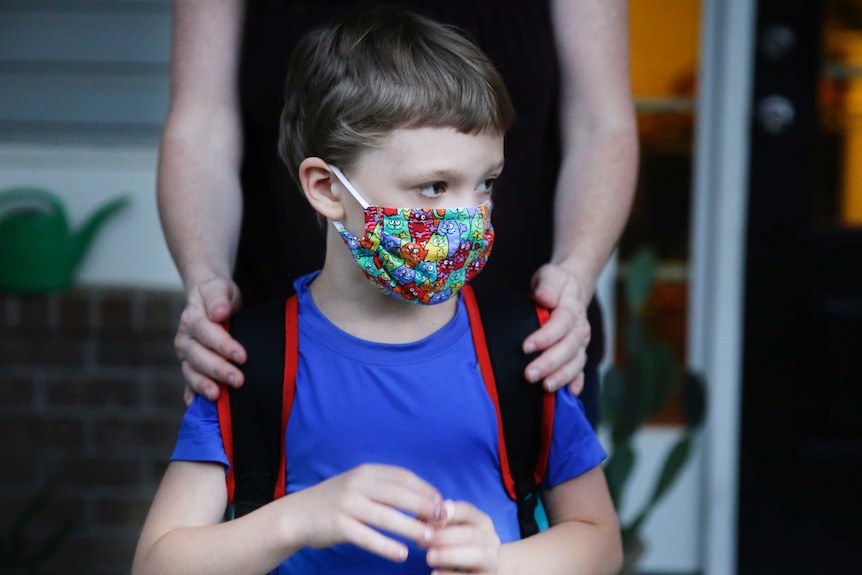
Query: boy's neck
347	299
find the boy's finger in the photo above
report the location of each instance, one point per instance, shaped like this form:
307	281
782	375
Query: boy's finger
403	489
455	535
463	513
461	558
423	506
392	520
375	542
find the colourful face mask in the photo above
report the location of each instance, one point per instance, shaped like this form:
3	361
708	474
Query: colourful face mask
423	256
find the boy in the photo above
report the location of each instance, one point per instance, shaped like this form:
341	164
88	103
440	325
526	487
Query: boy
392	125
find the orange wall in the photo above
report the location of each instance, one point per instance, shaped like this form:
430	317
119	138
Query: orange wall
664	41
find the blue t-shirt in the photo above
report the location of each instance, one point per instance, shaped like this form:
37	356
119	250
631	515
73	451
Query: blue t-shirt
422	406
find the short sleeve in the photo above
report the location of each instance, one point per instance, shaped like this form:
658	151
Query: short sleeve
200	436
575	449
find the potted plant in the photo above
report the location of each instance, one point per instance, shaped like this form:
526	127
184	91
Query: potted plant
21	553
634	390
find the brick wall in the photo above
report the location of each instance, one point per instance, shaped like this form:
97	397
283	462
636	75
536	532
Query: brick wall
90	403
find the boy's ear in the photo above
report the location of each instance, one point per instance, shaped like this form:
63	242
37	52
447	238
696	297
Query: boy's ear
316	181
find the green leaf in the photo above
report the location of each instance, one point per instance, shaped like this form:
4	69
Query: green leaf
612	395
639	282
694	400
618	469
673	464
14	552
33	507
635	336
46	548
659	378
5	553
628	418
634	527
630	538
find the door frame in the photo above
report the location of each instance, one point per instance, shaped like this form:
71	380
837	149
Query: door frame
717	264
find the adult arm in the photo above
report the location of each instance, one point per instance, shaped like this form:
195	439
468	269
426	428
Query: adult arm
596	180
199	197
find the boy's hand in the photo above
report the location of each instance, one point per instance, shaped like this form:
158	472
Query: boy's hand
203	345
467	543
564	338
352	506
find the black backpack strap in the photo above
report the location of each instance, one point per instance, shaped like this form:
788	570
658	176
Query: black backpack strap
252	418
525	411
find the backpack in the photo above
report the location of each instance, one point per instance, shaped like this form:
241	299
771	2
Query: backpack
253	419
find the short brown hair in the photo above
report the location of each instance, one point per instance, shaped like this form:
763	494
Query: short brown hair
352	83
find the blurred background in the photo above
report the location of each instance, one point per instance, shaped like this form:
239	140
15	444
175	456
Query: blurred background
750	195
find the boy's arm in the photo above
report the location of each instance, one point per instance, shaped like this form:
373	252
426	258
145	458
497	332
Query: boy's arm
584	537
183	533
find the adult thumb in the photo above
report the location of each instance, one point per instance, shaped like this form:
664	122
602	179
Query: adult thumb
548	284
221	298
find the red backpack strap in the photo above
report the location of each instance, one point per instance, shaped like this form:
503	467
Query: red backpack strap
548	403
500	321
481	345
291	361
226	427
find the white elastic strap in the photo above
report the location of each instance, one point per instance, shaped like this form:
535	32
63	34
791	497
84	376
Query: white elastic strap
349	186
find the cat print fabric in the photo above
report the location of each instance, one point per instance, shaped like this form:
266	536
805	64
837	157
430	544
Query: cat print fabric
423	256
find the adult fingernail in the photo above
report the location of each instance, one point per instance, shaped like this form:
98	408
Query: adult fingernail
529	347
231	379
533	375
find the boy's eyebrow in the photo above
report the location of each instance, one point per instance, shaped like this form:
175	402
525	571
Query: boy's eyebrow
446	174
434	174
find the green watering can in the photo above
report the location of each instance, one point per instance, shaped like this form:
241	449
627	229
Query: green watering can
38	251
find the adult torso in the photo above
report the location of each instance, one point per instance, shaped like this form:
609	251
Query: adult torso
281	238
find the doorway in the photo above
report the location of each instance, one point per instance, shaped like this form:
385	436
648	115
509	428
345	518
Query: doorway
800	481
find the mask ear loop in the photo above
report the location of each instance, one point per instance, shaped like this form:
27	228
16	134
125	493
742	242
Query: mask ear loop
340	175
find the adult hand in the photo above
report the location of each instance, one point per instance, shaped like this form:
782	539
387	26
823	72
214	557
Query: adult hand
352	507
204	346
467	543
564	338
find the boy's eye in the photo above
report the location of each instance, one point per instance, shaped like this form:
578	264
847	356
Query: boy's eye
486	185
433	190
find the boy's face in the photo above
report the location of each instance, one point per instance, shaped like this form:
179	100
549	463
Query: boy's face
424	168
